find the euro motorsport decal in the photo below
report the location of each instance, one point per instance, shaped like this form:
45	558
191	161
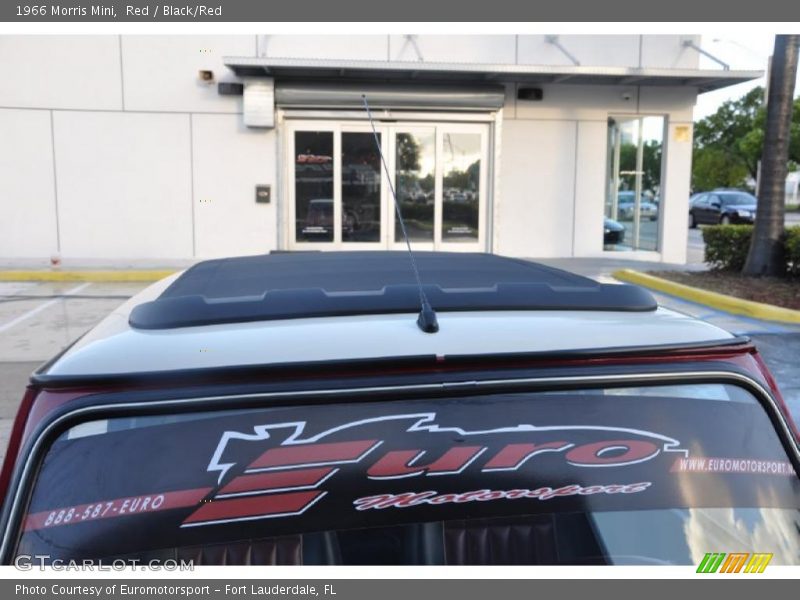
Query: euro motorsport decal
168	481
288	479
291	471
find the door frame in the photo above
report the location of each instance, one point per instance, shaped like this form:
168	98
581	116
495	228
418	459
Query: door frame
612	181
440	123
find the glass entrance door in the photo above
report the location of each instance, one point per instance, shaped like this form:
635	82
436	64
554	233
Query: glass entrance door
463	158
340	197
633	193
361	188
414	172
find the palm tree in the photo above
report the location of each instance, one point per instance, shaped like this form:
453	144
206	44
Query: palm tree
765	256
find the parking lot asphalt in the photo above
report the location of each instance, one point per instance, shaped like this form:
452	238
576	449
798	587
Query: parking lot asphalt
37	321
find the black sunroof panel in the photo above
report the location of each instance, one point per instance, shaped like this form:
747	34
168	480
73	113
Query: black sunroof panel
318	284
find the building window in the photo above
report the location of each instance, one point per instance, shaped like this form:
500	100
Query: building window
633	191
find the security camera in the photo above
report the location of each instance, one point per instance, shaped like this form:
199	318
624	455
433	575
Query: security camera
627	96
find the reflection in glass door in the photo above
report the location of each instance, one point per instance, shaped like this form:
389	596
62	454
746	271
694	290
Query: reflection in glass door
633	197
361	188
461	187
340	199
415	183
313	186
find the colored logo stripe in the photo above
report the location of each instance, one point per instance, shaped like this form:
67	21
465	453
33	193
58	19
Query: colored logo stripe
312	454
270	485
276	481
758	562
257	507
118	507
734	562
711	562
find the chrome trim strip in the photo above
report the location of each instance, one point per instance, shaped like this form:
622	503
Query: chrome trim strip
771	405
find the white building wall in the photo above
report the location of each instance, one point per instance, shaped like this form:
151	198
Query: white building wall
486	49
590	187
669	51
678	157
149	162
124	184
552	188
160	73
589	50
578	102
229	161
663	51
678	104
60	71
338	47
535	214
27	191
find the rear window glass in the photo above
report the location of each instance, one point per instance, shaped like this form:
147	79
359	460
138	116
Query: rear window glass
629	475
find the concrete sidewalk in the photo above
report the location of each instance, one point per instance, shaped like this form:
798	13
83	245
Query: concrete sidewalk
604	267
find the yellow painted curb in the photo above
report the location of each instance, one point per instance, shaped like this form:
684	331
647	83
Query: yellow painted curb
730	304
98	276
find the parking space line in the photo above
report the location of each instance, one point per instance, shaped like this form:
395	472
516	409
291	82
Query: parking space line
41	307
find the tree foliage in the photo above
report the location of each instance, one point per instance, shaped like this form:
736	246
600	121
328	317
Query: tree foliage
408	153
729	143
651	166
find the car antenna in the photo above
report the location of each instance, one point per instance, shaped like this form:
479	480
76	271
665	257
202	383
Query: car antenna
427	320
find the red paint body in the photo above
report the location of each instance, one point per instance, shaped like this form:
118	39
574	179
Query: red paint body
39	402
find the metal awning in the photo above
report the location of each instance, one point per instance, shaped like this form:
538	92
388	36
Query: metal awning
294	69
349	95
